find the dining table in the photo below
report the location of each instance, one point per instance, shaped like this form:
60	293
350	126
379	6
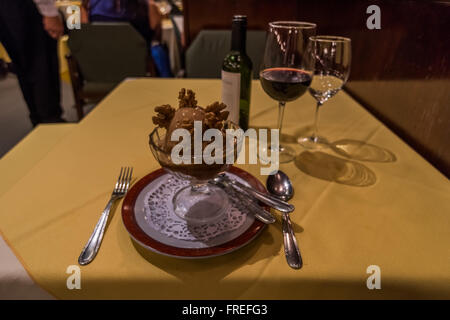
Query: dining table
372	216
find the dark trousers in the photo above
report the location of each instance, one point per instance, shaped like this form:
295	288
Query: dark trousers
35	57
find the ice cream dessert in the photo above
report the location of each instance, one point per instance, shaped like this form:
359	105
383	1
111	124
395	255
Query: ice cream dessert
169	119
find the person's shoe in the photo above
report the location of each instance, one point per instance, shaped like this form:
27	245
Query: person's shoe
3	69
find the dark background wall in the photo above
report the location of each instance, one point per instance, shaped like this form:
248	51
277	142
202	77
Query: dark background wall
400	73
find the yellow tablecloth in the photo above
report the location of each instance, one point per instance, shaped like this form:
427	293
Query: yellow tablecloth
3	54
15	283
400	222
30	150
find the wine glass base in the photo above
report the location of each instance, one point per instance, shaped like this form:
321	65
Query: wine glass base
286	154
201	204
314	143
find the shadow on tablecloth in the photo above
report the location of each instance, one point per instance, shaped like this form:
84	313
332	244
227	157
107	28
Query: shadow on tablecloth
324	166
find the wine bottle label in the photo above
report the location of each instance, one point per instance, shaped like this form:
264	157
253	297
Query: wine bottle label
231	91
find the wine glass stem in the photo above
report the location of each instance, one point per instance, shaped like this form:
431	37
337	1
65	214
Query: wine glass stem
316	120
281	106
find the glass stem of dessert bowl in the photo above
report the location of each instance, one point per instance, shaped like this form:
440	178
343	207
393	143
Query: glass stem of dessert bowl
200	203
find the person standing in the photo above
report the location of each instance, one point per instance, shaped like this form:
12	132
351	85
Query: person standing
29	30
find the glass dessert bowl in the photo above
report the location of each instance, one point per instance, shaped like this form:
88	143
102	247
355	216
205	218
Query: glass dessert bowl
199	202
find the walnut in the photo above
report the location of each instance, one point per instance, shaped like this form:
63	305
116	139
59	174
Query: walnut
215	116
166	110
212	116
187	99
164	115
213	120
210	119
215	107
224	115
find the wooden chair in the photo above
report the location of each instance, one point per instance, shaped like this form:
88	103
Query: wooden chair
101	56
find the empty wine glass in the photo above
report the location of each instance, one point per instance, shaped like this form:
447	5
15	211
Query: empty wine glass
286	70
332	57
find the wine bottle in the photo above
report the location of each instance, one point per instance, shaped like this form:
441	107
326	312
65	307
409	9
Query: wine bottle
237	75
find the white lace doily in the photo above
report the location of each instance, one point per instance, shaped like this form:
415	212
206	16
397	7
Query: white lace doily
160	216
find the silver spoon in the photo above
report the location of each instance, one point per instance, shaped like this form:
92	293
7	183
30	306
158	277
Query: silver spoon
279	185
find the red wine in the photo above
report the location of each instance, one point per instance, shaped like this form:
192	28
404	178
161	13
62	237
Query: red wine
285	84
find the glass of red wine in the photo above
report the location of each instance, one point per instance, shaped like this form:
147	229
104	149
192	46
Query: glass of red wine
287	68
332	58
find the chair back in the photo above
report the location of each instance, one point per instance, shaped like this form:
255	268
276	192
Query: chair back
205	55
108	52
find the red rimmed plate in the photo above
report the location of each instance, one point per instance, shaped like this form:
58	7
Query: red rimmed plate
153	240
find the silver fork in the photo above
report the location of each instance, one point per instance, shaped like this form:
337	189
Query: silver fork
90	250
